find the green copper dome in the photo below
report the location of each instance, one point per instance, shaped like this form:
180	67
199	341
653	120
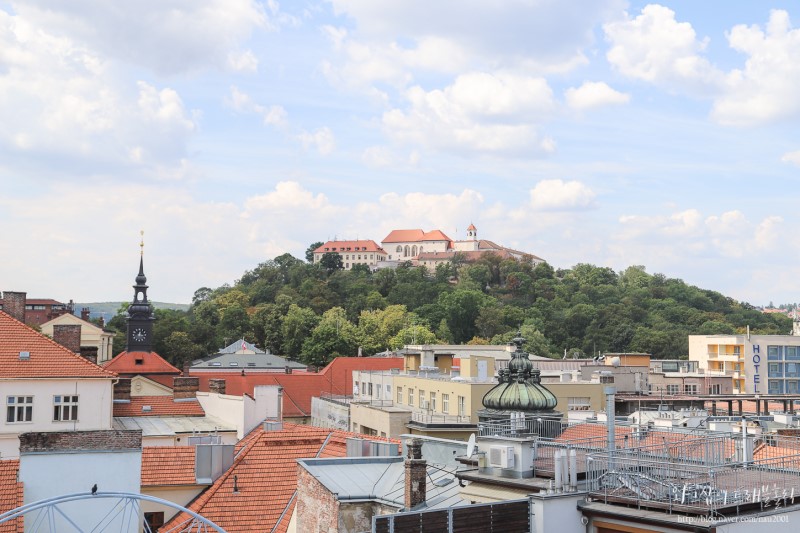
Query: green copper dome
520	388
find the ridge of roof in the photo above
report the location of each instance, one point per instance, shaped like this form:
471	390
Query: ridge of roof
125	363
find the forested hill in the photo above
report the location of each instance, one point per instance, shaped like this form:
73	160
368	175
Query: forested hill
312	314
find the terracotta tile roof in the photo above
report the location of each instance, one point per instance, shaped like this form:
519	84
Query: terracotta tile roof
349	246
140	363
415	235
168	465
470	255
10	494
300	387
42	301
48	359
266	476
159	406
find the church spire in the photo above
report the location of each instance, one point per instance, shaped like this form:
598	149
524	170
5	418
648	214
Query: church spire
140	312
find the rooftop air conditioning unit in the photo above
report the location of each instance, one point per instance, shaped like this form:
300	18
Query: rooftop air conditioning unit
502	456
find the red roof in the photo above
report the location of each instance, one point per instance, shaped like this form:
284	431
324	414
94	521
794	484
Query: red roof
349	246
10	494
415	235
42	301
168	466
46	359
471	227
300	387
265	471
140	364
159	406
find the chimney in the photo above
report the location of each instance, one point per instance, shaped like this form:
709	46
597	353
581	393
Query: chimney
89	353
288	369
68	336
101	321
186	366
217	386
184	388
14	304
416	474
85	314
122	390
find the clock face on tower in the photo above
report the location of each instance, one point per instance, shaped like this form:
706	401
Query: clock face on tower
139	335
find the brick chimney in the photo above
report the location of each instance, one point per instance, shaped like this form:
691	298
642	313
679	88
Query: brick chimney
186	366
184	388
85	314
68	336
89	353
416	474
216	386
101	321
14	304
122	390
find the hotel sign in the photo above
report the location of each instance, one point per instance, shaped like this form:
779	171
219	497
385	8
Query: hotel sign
756	358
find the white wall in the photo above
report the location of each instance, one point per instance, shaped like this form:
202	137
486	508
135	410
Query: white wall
46	475
242	412
95	399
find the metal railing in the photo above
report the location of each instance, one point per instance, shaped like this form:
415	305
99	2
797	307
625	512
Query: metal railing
425	417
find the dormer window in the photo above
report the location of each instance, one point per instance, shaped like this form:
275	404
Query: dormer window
139	361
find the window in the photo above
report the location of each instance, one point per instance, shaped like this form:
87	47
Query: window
461	406
774	353
579	403
369	389
792	370
20	409
433	401
775	370
421	397
776	386
715	389
690	389
400	395
792	386
65	408
791	353
363	389
673	389
355	388
154	520
445	403
410	396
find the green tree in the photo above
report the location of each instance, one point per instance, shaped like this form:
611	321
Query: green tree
415	334
297	325
310	250
331	262
462	308
333	336
179	349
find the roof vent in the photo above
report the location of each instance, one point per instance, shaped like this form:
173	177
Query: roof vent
273	425
24	356
147	408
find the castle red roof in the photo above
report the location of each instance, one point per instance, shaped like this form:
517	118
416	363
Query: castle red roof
349	246
140	363
415	235
46	358
299	387
10	494
159	406
265	473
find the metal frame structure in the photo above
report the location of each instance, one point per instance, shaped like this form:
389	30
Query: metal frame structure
122	515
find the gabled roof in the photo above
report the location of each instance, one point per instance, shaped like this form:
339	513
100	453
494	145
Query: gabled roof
10	494
46	359
69	318
240	345
415	235
245	361
158	406
265	473
135	363
299	387
168	466
349	246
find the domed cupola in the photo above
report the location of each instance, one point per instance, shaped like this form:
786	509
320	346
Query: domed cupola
519	390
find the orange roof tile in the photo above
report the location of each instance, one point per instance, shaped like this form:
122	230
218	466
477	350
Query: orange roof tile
300	387
436	235
10	494
47	358
140	363
265	473
159	406
349	246
168	465
415	235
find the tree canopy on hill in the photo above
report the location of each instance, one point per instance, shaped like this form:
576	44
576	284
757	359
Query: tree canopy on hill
312	313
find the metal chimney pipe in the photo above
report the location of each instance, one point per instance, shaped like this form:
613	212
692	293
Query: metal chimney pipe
610	391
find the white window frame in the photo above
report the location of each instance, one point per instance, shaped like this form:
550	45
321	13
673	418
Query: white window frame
65	404
400	395
462	402
445	403
19	409
433	401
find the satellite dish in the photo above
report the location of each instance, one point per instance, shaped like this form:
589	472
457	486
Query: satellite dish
471	445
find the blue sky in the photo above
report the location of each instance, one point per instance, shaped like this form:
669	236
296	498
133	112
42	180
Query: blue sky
231	131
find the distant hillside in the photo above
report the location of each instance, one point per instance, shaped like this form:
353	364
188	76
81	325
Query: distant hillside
108	309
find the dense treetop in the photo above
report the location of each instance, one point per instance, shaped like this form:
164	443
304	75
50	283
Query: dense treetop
314	312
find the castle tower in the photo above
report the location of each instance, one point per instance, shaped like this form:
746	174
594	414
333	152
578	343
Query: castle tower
472	233
140	313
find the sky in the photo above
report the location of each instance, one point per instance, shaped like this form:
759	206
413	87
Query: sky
232	131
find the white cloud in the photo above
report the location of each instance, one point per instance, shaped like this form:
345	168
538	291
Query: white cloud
167	36
591	95
479	112
558	195
273	115
243	61
321	139
792	157
766	88
657	48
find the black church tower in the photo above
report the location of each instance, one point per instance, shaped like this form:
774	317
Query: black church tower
140	315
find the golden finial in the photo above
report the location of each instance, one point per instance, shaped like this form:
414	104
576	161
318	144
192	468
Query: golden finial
141	243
